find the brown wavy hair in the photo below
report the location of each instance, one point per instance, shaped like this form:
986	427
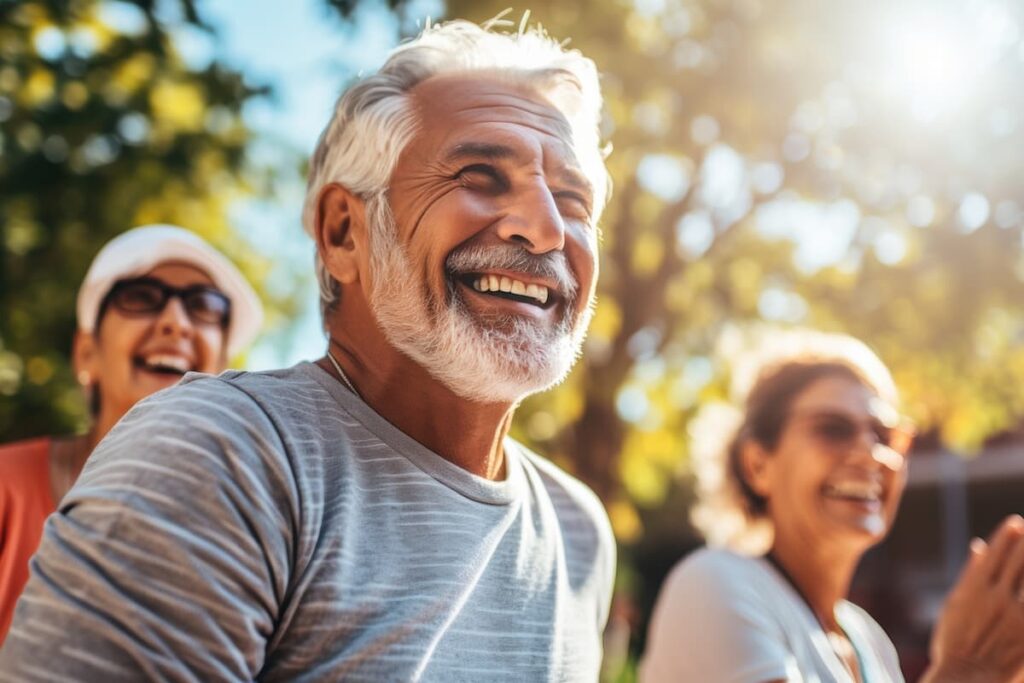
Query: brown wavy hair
729	512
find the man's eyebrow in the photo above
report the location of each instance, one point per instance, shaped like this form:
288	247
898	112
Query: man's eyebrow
480	150
575	179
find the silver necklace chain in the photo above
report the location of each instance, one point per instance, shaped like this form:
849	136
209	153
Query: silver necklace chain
341	373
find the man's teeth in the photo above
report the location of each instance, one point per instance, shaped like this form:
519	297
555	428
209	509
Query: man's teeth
867	491
494	283
168	362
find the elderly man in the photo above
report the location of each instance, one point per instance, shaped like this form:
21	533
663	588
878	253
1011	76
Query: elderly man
366	517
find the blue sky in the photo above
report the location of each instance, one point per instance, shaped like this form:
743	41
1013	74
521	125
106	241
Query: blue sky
307	54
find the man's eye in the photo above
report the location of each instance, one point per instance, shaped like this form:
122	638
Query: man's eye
576	203
481	176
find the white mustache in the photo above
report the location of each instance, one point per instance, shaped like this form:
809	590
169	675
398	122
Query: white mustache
552	265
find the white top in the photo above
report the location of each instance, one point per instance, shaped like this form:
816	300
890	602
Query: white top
730	618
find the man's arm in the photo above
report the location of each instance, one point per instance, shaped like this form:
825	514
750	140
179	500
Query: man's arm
170	557
980	635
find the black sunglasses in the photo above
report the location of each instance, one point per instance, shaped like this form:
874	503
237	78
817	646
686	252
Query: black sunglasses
148	296
841	431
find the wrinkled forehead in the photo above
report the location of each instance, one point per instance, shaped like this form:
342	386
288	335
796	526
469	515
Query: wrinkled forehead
453	106
483	96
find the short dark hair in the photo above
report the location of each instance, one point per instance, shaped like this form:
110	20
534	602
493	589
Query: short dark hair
767	379
767	409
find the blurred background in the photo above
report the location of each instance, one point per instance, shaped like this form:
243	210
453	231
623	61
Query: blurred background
846	166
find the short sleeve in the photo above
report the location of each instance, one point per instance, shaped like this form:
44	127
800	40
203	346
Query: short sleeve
711	623
169	559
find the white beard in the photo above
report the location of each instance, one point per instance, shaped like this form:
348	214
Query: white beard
498	361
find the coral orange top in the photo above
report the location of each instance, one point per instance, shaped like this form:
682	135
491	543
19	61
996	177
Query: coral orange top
25	502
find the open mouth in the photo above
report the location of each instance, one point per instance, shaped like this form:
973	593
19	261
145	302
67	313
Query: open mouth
867	492
511	289
163	364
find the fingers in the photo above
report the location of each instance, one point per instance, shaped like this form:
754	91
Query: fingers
979	630
978	552
998	562
975	573
1012	572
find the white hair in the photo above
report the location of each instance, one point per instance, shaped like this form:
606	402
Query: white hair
374	120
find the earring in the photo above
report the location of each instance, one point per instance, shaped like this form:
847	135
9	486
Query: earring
84	378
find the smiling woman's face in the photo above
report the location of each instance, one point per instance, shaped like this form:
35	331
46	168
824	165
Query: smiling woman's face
131	355
831	478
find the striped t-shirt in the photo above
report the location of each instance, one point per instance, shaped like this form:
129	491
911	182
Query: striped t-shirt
271	526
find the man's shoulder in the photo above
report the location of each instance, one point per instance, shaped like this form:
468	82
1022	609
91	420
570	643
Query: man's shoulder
204	431
571	497
583	522
297	377
201	409
267	391
557	480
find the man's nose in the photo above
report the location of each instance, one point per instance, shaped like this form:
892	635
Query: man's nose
534	222
174	318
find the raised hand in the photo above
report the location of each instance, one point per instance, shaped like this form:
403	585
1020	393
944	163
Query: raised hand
980	634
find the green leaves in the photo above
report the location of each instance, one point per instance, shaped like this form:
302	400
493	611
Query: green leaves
768	168
103	126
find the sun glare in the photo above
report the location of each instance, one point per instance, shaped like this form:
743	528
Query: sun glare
931	68
935	61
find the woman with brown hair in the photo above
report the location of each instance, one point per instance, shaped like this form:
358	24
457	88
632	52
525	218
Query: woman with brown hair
809	480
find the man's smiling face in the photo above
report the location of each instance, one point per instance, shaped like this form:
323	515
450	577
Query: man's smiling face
488	276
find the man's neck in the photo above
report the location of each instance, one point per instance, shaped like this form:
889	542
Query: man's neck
465	433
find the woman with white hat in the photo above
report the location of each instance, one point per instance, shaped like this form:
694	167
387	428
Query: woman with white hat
157	302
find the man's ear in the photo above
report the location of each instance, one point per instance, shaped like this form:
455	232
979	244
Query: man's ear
756	465
85	358
340	231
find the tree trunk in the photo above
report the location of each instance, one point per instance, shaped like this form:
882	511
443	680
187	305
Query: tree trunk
597	442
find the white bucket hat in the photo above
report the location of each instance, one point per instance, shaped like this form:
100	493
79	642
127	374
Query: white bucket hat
139	250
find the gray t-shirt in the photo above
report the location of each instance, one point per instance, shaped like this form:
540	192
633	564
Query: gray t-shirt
272	526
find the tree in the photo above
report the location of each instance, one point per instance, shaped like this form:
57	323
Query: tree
774	162
103	126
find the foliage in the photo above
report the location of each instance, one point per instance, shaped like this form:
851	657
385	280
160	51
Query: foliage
804	162
770	166
103	126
